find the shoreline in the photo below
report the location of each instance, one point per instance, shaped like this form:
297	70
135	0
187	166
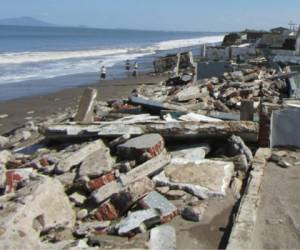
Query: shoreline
38	107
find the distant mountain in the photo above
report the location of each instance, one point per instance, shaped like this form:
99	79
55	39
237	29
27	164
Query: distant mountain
24	21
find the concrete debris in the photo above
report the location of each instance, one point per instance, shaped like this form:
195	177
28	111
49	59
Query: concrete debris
117	165
85	111
187	94
79	156
245	129
138	222
148	168
87	228
36	211
156	201
238	146
236	187
240	163
194	213
77	198
204	180
142	148
123	138
189	155
162	237
174	194
66	244
3	142
97	163
5	156
81	214
103	193
282	123
120	202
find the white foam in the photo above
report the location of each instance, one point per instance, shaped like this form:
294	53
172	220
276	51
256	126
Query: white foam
46	70
182	43
33	57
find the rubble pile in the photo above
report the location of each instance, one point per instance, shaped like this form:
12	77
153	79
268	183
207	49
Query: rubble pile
128	167
119	184
225	94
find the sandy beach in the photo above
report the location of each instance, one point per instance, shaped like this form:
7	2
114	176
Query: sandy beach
38	107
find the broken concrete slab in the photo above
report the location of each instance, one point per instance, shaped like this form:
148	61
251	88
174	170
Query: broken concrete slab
245	129
85	111
97	163
205	179
193	117
120	202
123	138
189	155
42	205
148	168
175	194
162	237
105	192
79	156
155	200
65	244
138	222
142	148
89	227
190	93
283	122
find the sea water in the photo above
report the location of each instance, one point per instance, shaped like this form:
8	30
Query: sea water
40	60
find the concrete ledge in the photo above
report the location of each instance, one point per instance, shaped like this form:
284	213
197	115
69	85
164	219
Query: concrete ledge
241	234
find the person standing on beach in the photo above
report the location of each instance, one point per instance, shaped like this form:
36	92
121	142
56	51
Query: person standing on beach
135	69
127	65
103	73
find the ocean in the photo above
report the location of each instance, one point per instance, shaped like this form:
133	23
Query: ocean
40	60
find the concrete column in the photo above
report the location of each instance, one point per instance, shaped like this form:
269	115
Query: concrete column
298	43
247	110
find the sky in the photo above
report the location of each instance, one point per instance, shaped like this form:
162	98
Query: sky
175	15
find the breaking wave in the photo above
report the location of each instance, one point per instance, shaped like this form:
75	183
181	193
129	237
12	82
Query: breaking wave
16	67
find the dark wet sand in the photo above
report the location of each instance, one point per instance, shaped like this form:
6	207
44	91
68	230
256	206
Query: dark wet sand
41	106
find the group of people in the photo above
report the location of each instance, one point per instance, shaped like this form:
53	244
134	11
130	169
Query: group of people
127	67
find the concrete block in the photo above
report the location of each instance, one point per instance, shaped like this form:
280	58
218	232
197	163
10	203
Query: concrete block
97	163
194	213
162	237
190	155
142	147
283	122
105	192
79	156
148	168
42	205
158	202
137	222
85	111
204	180
120	202
189	93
